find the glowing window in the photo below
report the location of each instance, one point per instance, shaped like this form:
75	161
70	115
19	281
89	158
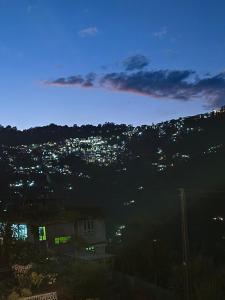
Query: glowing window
90	249
42	233
19	231
62	239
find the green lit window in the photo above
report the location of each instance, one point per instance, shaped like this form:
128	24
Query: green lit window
42	233
62	239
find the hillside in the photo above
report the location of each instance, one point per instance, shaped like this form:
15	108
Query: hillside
135	174
136	170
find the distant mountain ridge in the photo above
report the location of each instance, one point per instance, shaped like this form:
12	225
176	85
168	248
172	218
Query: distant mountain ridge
52	132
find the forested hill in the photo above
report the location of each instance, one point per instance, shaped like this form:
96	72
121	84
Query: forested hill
117	166
12	136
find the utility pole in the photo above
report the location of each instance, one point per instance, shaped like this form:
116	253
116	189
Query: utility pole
185	244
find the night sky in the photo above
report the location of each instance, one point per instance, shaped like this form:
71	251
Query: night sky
123	61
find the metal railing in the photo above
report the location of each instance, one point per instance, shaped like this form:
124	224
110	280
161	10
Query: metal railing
48	296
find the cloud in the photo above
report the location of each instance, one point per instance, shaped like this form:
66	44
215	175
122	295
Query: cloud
135	62
184	85
161	33
89	31
170	52
165	84
158	84
76	80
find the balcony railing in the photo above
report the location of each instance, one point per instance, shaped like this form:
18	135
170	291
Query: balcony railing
48	296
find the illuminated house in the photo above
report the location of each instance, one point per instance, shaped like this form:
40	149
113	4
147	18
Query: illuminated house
79	232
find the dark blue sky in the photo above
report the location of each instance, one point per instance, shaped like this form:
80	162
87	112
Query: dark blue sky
152	60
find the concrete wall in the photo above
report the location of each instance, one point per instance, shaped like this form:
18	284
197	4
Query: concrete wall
61	230
97	235
94	236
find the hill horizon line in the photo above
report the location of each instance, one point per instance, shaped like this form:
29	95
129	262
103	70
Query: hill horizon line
221	109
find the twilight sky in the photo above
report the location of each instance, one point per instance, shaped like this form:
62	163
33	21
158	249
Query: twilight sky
123	61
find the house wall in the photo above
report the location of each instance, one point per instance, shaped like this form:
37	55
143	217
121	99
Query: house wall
97	235
85	233
92	236
59	229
